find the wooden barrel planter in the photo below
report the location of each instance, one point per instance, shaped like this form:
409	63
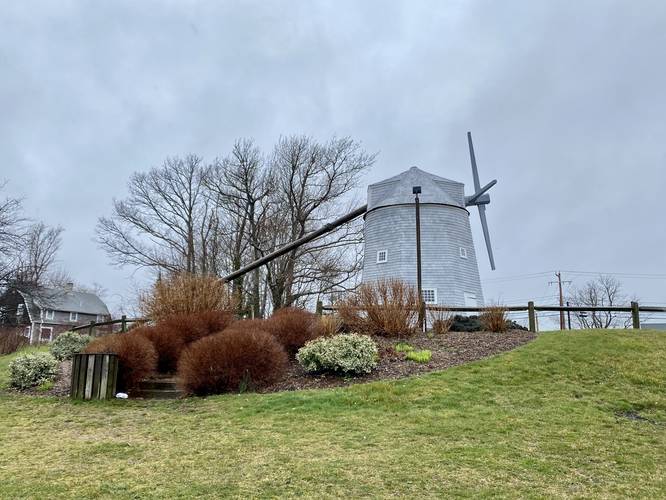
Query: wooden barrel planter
94	376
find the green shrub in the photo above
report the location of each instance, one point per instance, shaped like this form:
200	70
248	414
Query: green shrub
68	344
403	347
29	370
345	353
419	356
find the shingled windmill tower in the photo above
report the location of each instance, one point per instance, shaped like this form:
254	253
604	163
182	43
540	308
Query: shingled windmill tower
450	272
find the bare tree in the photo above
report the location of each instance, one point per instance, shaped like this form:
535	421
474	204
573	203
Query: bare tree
162	223
11	233
313	183
40	246
184	216
242	187
602	291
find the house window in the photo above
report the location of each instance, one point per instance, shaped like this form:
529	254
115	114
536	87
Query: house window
463	253
45	334
382	256
19	309
100	318
27	331
73	316
429	295
49	314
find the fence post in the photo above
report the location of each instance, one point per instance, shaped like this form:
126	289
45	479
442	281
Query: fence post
635	316
90	328
531	316
320	307
123	323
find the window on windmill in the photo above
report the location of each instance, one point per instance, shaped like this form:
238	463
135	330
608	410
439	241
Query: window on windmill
429	295
382	256
463	252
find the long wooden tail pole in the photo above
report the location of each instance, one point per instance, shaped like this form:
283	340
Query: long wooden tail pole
297	243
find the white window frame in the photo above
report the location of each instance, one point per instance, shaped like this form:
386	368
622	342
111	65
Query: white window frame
49	314
50	329
73	316
99	318
385	260
434	294
20	308
28	331
463	253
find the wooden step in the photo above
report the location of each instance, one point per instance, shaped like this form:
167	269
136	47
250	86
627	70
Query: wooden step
158	388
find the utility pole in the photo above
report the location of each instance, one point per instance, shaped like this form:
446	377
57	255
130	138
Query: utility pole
416	190
559	284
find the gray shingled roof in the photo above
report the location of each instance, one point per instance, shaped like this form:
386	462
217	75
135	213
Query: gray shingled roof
397	190
64	300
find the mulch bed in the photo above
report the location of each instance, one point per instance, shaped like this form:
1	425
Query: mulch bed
450	349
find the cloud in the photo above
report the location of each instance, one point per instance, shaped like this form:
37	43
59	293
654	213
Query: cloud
565	102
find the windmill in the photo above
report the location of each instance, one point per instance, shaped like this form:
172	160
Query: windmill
450	271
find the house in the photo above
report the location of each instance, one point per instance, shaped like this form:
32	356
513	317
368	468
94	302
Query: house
44	313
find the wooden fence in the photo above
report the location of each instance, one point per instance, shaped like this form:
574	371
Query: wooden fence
635	309
123	322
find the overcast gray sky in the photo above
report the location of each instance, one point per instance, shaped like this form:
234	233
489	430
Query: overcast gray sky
566	102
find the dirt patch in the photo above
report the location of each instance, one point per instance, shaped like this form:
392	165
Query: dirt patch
450	349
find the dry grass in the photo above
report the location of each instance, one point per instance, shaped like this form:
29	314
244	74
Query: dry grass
137	357
493	319
186	294
330	324
387	307
440	321
240	358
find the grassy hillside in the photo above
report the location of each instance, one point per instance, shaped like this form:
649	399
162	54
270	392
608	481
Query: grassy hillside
570	414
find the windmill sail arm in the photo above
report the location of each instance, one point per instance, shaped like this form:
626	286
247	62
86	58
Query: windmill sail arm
486	235
476	198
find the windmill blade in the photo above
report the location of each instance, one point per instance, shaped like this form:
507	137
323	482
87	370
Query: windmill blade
475	172
486	235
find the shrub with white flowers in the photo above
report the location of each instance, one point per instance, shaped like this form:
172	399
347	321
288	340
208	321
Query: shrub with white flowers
344	354
67	344
29	370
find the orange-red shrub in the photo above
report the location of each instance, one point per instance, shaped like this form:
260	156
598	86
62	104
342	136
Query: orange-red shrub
240	358
137	357
293	327
171	335
168	343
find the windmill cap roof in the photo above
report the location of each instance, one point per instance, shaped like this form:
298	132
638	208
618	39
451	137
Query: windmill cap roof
397	190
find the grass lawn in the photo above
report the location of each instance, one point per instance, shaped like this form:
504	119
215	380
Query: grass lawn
549	419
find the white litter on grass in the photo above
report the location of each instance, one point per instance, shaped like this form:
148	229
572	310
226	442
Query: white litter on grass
121	395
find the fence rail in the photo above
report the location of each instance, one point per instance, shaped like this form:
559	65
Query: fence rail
123	322
635	309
